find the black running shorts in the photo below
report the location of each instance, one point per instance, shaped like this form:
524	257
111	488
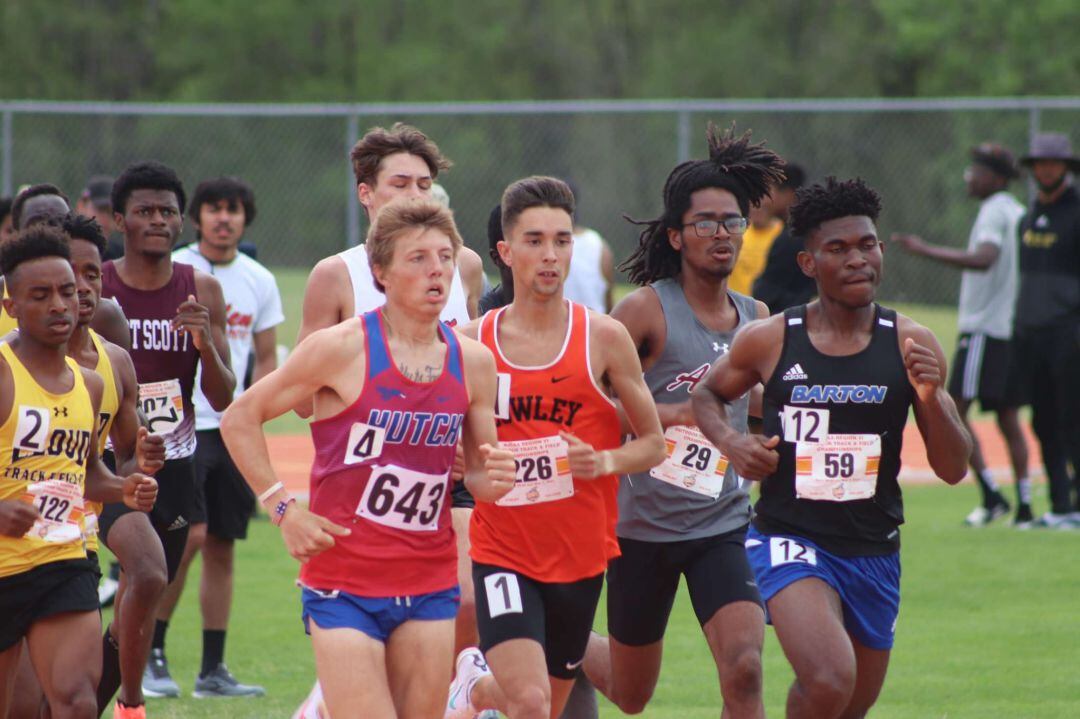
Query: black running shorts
510	605
69	585
643	581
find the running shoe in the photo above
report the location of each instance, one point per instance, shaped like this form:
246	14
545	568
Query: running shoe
982	516
1054	521
156	680
1023	518
470	668
221	683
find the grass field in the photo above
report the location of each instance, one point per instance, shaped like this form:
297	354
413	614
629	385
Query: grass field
988	627
988	623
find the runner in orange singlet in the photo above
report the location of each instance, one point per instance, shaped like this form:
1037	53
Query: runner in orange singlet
539	553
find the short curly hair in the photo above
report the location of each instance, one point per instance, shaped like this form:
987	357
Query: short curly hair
79	227
829	200
33	243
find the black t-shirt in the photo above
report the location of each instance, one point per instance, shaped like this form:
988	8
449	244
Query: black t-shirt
835	409
782	284
1050	264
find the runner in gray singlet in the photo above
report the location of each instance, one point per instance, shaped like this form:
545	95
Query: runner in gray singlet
687	517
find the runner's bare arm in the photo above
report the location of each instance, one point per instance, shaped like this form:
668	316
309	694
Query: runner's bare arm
323	360
327	301
329	358
136	491
640	312
730	377
948	444
16	518
607	269
622	370
204	318
109	322
471	268
135	448
489	471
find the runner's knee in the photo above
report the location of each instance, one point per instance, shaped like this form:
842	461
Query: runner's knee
828	685
740	674
530	702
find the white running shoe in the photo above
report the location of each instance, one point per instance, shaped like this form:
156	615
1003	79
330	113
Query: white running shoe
314	707
978	517
471	667
1054	521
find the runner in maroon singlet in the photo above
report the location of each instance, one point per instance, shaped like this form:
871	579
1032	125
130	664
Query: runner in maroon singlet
177	320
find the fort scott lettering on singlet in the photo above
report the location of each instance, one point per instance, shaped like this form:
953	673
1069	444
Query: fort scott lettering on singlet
839	393
157	335
524	408
434	429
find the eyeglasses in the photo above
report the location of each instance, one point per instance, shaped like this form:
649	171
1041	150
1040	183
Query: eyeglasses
709	228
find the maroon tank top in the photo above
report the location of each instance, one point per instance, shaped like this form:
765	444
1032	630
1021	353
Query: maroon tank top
165	359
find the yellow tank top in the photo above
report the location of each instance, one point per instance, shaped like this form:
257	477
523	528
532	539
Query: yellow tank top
44	444
7	322
110	402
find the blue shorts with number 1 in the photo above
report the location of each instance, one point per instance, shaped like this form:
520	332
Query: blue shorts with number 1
869	587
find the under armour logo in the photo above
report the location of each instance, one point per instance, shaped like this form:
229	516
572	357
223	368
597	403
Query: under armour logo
720	347
58	410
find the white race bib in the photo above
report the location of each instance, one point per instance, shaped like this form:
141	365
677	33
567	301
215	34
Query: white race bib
802	424
60	506
783	550
365	442
32	431
840	468
163	405
403	498
542	472
692	463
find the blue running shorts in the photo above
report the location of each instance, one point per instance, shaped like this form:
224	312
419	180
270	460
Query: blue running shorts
377	617
869	587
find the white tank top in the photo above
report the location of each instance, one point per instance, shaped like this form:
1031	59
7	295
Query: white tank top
585	283
367	298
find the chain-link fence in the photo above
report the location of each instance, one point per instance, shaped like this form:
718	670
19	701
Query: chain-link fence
616	153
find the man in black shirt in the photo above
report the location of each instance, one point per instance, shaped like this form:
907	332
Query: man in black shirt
1048	319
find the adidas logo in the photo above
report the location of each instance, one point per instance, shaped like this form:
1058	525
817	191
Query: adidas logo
178	523
796	372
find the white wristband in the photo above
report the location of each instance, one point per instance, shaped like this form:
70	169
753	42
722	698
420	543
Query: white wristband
270	492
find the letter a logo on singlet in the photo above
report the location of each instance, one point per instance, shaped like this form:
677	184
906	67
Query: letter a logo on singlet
690	379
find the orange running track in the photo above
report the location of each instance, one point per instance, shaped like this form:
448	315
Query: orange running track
292	455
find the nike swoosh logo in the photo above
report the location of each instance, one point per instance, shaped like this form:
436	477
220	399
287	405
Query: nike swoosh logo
559	379
571	667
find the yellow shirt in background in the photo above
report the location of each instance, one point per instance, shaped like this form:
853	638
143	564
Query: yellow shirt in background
755	250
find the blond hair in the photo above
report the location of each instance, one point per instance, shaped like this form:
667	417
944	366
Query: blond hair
401	216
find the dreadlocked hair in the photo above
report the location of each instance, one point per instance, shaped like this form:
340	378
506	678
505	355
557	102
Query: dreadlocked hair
745	170
832	199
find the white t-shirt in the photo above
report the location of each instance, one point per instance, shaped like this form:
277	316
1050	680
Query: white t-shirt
252	304
585	283
366	297
988	298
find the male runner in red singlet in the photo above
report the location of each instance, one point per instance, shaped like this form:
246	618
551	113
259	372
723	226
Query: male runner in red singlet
393	391
539	554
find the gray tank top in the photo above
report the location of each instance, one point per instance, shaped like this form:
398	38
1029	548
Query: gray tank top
693	501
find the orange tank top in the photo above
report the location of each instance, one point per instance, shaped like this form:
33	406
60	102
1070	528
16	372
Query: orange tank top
551	527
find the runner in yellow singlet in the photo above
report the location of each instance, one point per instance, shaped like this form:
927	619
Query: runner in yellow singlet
48	461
